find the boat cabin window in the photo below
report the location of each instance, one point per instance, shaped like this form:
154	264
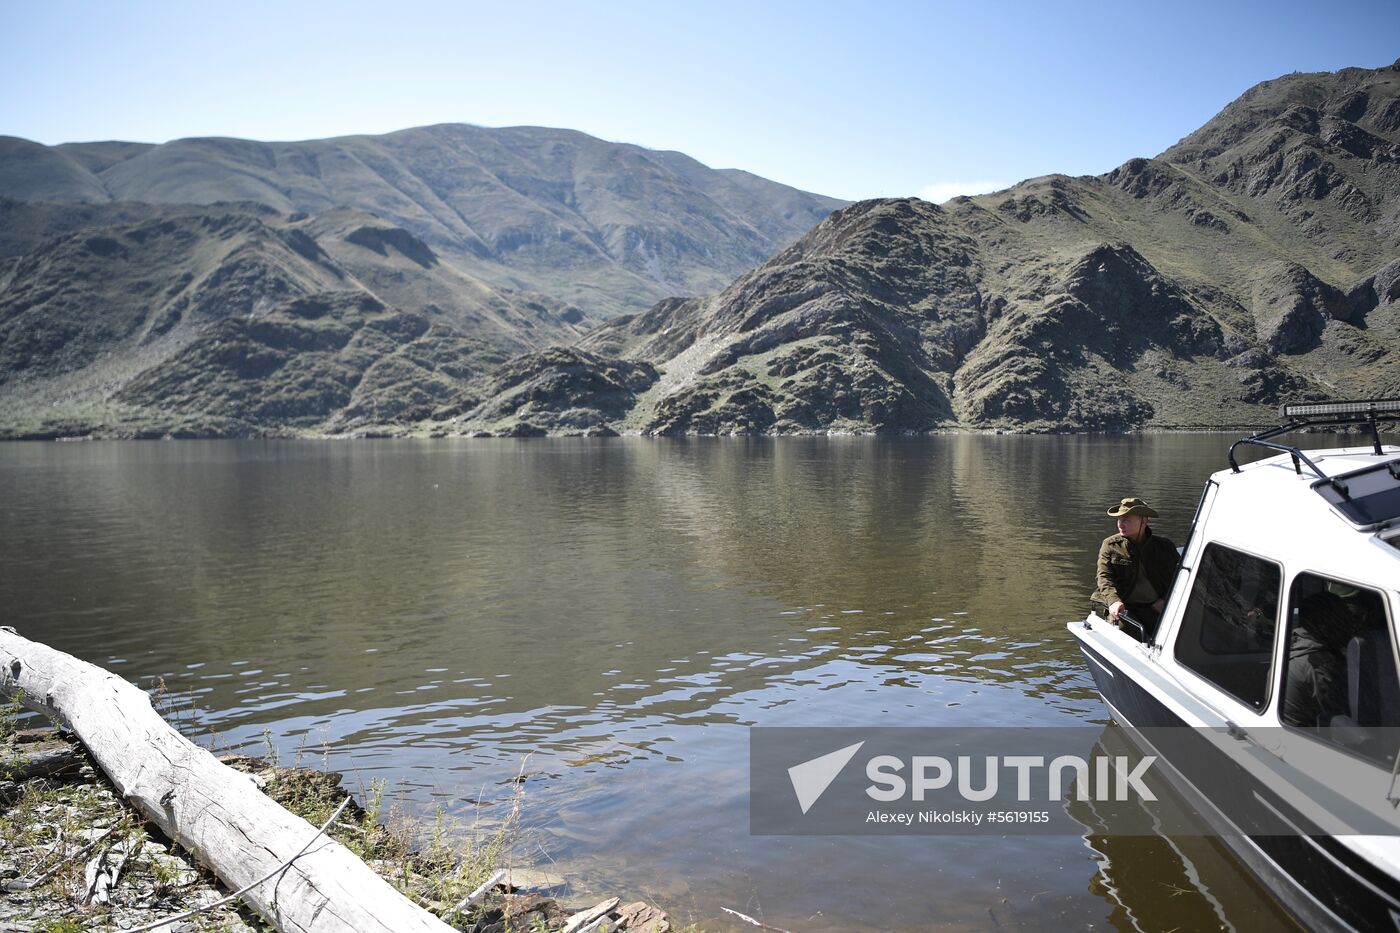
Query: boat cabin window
1227	630
1368	496
1339	676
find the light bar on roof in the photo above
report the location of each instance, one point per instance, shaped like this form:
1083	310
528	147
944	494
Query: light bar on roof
1379	406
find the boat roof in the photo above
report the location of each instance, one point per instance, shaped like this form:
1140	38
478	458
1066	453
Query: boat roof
1323	524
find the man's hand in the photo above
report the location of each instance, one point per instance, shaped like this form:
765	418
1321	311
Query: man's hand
1159	605
1114	610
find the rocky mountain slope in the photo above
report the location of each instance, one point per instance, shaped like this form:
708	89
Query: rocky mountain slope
604	226
1256	261
239	320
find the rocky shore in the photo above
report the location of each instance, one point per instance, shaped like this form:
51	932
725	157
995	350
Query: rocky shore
74	857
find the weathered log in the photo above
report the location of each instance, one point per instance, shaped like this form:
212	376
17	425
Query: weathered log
211	810
40	759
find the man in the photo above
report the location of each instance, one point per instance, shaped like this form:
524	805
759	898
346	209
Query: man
1136	567
1316	688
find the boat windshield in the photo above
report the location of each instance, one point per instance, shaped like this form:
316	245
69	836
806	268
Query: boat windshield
1368	496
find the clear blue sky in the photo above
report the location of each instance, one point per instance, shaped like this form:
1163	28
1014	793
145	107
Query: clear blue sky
849	99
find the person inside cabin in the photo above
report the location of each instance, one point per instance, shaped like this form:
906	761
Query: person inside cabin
1135	568
1324	624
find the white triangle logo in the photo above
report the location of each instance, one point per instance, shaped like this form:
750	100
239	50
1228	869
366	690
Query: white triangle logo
811	778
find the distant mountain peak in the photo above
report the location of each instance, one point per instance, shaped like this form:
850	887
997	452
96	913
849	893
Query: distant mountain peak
610	227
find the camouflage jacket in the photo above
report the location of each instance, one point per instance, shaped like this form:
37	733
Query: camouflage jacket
1121	561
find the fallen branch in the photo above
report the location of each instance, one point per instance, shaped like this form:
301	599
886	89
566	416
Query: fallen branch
584	917
480	892
747	919
102	875
42	759
25	885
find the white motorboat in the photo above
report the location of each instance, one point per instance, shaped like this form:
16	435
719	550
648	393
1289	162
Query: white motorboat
1277	651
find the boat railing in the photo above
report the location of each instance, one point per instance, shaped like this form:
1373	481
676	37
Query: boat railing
1321	414
1125	619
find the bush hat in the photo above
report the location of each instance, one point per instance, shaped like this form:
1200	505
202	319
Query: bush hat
1132	506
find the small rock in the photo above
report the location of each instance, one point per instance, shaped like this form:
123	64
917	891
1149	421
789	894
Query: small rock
524	429
640	917
518	906
530	879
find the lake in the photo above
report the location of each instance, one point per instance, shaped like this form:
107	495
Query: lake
609	617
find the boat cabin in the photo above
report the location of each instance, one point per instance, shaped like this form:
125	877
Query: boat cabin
1284	607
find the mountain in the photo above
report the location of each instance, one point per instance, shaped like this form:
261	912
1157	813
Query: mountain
1256	261
607	227
235	320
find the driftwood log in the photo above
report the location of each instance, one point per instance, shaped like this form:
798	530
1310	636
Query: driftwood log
43	758
211	810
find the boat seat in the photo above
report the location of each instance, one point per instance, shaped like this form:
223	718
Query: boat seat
1373	699
1373	694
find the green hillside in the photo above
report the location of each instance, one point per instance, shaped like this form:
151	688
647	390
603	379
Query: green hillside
1256	261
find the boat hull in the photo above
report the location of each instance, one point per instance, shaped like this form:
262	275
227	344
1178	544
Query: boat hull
1317	878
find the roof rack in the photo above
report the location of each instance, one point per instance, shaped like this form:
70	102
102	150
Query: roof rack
1311	414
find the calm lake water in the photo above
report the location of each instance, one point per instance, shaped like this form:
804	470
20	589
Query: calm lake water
621	611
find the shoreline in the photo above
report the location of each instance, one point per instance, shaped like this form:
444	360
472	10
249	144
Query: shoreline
78	857
45	436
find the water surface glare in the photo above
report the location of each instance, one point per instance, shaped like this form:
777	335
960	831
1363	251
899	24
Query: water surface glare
620	611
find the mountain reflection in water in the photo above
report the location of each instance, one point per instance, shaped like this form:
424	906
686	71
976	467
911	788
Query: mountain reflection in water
619	610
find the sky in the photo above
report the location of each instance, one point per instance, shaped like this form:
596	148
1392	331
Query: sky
853	99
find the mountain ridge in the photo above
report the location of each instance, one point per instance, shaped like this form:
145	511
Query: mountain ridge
1256	261
1253	262
609	227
